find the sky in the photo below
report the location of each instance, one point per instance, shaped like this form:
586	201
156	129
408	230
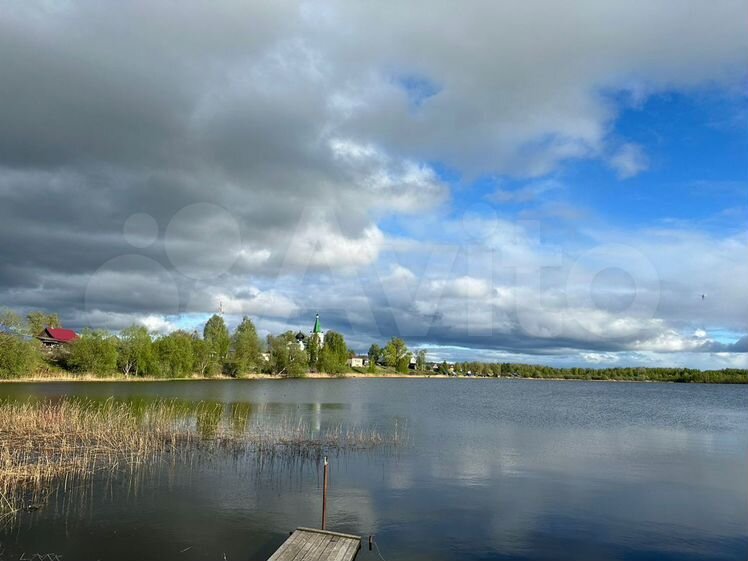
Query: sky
563	183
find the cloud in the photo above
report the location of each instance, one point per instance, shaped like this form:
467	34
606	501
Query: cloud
155	158
158	324
319	244
254	302
629	160
528	193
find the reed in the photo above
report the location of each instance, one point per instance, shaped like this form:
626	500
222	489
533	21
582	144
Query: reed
43	443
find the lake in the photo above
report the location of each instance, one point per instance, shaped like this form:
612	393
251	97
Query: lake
493	469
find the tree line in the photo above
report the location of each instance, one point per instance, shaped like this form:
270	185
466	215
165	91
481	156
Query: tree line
134	352
630	374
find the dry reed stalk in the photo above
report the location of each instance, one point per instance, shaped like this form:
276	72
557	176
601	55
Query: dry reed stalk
45	442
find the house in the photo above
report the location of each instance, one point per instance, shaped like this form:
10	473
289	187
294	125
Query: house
358	361
56	336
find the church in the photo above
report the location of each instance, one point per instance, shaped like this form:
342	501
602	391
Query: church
315	333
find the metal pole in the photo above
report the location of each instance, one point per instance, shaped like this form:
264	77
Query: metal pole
324	495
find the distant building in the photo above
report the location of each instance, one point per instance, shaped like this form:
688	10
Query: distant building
56	336
358	361
317	332
301	340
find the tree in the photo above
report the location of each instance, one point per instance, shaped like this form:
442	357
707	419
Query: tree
18	356
421	361
37	321
216	336
135	353
313	352
286	357
396	354
95	352
175	354
201	355
11	322
334	354
375	353
246	345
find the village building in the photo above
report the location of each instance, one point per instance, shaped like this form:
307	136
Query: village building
55	336
317	333
358	361
301	340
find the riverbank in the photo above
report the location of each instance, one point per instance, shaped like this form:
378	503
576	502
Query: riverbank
715	377
66	377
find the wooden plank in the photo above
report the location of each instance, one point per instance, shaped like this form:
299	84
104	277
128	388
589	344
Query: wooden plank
286	544
352	551
309	544
316	552
310	540
346	552
293	550
325	554
340	534
337	544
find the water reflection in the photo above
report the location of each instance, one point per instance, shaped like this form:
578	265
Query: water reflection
493	470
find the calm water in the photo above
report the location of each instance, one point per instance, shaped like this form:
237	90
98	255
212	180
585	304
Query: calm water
496	469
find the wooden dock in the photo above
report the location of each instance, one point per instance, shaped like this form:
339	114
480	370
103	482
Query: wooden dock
307	544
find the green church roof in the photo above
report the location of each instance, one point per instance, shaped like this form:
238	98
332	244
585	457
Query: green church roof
317	325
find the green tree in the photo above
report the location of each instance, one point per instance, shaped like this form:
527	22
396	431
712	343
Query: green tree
135	352
37	321
218	341
334	354
11	322
202	358
175	354
421	361
246	345
313	352
19	356
372	366
94	351
286	357
396	355
375	353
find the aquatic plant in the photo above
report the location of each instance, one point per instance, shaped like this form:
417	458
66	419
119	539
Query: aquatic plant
43	443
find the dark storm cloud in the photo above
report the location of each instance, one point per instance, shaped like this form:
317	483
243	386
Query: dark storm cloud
296	123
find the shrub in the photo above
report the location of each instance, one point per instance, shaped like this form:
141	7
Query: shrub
18	357
95	352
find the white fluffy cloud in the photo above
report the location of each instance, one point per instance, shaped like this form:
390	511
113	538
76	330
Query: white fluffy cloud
266	146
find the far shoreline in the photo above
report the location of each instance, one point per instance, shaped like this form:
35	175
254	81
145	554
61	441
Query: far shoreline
89	378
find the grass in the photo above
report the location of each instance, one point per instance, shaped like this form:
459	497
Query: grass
46	443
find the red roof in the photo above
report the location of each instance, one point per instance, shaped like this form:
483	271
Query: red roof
62	335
